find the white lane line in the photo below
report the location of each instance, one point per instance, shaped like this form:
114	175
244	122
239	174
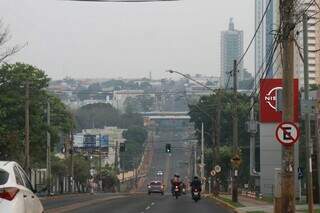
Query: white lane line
152	204
148	207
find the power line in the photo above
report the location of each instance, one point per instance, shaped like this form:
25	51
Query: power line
255	33
250	43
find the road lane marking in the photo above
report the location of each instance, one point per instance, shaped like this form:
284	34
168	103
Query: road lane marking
152	204
148	207
75	206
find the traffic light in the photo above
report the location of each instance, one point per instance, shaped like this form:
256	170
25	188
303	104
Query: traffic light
122	147
168	148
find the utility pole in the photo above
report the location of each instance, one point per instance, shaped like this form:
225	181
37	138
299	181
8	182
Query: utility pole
27	130
309	145
48	148
202	156
218	121
235	135
100	162
287	162
216	141
71	180
195	160
116	157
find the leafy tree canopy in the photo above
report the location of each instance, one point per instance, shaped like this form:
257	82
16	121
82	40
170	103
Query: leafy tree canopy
13	81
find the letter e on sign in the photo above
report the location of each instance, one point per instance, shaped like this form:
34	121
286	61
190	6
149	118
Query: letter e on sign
287	133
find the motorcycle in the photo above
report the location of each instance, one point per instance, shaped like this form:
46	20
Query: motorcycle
195	195
176	191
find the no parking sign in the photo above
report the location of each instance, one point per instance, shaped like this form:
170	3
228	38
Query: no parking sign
287	133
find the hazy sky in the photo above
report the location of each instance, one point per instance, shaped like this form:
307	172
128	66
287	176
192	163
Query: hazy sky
110	40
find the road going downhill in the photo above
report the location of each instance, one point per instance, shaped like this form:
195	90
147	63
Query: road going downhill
179	161
134	203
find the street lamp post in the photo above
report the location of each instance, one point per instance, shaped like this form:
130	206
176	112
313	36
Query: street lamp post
215	121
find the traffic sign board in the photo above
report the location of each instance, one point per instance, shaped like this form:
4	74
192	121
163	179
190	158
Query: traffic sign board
213	173
287	133
217	168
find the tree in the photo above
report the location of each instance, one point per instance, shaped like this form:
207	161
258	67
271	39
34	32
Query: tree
96	116
101	114
6	51
13	78
135	140
206	110
141	103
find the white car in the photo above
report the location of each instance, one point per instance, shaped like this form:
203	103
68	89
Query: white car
16	192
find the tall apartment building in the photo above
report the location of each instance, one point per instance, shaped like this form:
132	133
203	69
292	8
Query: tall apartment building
273	62
231	49
259	40
313	44
317	28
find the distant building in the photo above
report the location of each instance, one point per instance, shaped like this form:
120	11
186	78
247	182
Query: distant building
259	40
313	45
318	48
231	49
120	96
110	138
271	27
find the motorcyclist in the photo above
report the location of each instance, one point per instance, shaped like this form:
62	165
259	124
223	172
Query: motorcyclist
175	181
195	184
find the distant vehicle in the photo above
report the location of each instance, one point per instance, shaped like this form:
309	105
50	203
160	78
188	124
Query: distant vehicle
16	192
183	188
160	173
155	187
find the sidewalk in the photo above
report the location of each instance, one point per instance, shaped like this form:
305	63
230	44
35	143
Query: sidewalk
254	205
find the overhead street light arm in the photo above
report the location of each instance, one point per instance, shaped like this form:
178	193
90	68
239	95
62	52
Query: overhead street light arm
188	77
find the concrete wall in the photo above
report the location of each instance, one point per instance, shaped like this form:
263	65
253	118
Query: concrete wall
270	158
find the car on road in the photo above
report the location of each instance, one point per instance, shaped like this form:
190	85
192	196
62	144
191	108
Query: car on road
160	173
16	192
155	187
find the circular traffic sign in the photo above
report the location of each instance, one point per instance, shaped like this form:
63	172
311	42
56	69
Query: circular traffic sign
287	133
217	168
213	173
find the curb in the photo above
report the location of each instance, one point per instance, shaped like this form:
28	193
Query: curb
59	196
223	204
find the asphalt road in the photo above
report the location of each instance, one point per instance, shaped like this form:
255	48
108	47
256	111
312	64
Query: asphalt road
179	161
135	203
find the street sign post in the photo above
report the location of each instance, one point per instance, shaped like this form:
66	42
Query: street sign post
287	133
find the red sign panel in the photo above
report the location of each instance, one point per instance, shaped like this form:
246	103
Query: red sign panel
268	100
